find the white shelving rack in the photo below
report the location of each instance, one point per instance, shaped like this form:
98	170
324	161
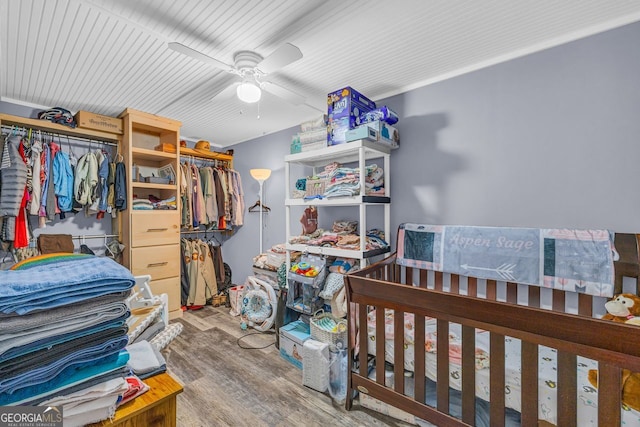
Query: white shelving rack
357	151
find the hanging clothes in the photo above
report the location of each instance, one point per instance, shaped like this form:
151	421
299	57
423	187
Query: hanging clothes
121	187
36	184
63	182
13	183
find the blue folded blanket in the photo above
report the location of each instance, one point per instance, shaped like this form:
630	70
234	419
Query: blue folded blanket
56	284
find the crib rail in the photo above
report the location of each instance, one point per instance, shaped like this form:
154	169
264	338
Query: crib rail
384	286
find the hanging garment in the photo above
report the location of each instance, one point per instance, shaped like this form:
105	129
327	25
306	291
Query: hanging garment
103	184
121	187
36	190
92	207
197	296
185	195
207	270
206	181
63	182
218	263
199	214
51	208
86	178
184	277
238	200
13	179
111	191
21	239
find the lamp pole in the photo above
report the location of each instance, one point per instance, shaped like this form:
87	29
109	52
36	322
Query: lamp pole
261	175
261	181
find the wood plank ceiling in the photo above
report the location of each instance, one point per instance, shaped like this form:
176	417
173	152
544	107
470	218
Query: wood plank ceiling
106	55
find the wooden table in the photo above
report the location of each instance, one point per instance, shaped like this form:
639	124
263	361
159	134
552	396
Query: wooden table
156	407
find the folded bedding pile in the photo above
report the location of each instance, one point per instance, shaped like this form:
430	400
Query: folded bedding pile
345	181
63	333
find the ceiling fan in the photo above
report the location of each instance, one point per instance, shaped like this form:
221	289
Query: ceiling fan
253	70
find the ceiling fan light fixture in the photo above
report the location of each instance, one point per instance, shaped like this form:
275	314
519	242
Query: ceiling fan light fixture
248	92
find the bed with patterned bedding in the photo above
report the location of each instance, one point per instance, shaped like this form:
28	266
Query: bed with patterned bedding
521	343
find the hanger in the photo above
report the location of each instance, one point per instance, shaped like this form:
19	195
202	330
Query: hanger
260	206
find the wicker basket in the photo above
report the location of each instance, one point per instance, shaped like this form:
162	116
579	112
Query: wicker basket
320	332
316	186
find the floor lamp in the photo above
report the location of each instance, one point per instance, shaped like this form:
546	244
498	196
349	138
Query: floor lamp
260	175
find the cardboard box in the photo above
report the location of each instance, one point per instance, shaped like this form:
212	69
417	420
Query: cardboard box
344	109
292	338
386	133
362	132
347	102
89	120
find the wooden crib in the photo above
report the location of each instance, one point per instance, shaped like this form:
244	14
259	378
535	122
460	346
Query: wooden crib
498	309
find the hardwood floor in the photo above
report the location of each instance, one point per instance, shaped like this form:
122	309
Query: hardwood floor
225	385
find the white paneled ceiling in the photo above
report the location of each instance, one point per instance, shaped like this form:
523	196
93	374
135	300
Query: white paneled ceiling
107	55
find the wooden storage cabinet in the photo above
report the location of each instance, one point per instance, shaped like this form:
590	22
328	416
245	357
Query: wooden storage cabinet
155	228
160	262
152	237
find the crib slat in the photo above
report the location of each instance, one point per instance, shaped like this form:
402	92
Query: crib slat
364	339
455	284
423	279
585	305
419	356
512	292
567	389
496	380
468	374
492	292
472	286
558	300
442	349
398	351
439	280
609	386
534	296
408	277
380	344
396	273
529	367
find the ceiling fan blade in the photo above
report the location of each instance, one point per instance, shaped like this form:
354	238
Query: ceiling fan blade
283	56
179	47
283	93
226	93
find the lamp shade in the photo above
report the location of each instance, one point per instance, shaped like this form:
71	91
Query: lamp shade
248	92
260	174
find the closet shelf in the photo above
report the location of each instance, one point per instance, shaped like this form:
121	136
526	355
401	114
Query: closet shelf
343	153
339	201
226	157
47	126
337	252
136	184
147	154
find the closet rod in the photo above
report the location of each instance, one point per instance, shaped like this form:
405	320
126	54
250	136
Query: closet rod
220	230
95	236
10	129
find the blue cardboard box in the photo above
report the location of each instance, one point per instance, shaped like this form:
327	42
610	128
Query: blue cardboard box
344	108
292	338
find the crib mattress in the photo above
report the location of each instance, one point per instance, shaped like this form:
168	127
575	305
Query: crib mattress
547	380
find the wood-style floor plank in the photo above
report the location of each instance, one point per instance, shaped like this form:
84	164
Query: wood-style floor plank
225	385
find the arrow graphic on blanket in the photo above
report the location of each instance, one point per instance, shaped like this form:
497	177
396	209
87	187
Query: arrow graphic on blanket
505	270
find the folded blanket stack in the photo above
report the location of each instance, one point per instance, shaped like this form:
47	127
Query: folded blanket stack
344	181
63	333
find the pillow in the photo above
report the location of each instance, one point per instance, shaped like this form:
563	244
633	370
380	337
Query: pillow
333	283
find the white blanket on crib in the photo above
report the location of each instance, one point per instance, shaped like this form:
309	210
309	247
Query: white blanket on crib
587	395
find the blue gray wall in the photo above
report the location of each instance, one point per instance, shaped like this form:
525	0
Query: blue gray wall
546	140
